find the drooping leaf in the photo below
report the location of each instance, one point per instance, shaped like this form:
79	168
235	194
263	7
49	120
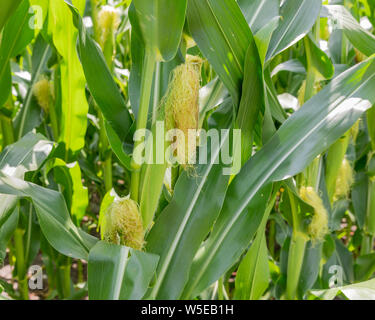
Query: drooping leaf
25	155
362	39
53	217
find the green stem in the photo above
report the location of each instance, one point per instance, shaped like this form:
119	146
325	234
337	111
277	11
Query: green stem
8	133
94	17
108	47
54	122
310	80
80	271
146	86
272	238
106	154
220	291
296	251
371	207
21	266
295	261
65	277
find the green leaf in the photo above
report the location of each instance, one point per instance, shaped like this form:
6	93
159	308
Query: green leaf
358	291
101	83
117	146
252	101
259	12
226	243
306	134
53	217
210	96
297	18
118	272
320	62
69	176
360	38
16	36
161	23
8	8
253	274
343	258
186	221
74	105
310	267
293	65
23	122
364	267
6	231
25	155
223	35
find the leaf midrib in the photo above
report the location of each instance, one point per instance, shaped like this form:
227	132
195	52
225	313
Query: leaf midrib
187	216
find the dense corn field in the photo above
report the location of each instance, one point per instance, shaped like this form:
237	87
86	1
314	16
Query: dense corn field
187	149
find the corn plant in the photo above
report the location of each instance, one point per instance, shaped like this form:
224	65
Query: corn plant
187	149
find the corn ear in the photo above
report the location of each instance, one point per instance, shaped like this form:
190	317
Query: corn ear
122	224
318	227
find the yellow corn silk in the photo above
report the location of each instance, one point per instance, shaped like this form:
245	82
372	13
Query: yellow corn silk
122	224
108	21
344	180
318	227
42	91
181	107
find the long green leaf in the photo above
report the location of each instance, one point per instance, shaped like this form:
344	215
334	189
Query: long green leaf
25	155
16	36
358	291
53	217
161	24
309	132
41	54
259	12
7	9
74	104
253	274
118	272
185	222
100	81
362	39
298	16
223	35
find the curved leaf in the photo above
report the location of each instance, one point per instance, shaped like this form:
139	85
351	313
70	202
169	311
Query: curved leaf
307	133
297	18
53	217
259	12
161	23
363	40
